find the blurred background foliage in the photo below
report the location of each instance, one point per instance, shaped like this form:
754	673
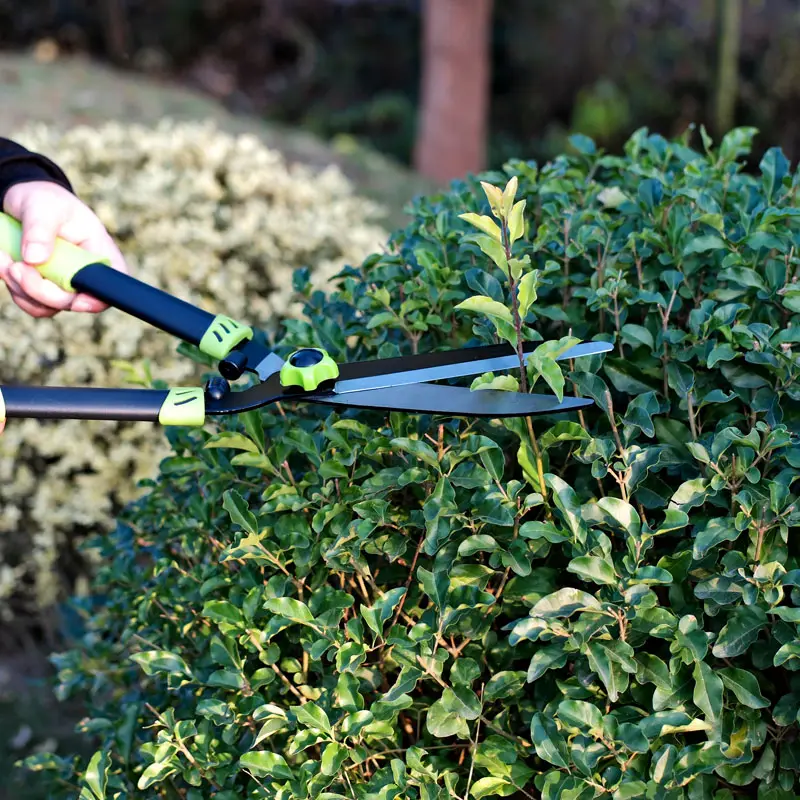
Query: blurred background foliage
352	67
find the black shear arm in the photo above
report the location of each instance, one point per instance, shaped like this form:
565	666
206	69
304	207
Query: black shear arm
76	270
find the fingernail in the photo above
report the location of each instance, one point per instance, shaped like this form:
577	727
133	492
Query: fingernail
35	253
82	304
16	272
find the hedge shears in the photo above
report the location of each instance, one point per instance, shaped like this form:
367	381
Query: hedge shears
308	374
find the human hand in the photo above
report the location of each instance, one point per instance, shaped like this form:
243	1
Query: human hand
46	211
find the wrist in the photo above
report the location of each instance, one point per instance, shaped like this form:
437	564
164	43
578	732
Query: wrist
21	166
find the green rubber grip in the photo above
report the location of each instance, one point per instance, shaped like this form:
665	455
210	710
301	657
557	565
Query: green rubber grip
184	406
222	335
309	376
66	261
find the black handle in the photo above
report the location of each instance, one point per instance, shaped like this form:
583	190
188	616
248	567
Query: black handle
66	402
151	305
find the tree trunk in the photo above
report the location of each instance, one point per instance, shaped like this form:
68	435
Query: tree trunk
116	30
730	20
456	66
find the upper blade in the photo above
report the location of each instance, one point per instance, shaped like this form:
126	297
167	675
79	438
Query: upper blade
268	366
429	398
455	365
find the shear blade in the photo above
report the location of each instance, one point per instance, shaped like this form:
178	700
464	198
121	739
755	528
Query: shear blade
425	398
430	367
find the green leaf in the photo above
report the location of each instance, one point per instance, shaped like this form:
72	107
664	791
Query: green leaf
650	191
527	291
493	249
564	603
743	276
291	609
653	670
350	657
443	722
774	167
483	283
690	494
492	787
552	657
480	304
155	773
549	370
333	756
566	501
607	669
464	671
516	221
500	383
435	584
153	661
264	764
353	723
593	569
704	244
483	223
716	531
542	530
239	511
95	779
563	432
637	336
548	740
312	716
478	543
377	615
620	514
504	684
405	684
236	441
707	694
223	611
462	701
786	652
740	631
744	686
581	715
421	450
630	790
495	197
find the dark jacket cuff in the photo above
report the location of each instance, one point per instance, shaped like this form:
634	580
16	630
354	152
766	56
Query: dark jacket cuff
18	165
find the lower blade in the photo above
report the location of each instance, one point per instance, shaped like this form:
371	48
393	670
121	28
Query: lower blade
459	369
428	398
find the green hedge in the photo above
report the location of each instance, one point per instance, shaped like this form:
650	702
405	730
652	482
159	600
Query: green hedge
312	604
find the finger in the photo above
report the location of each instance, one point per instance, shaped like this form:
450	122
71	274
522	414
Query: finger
27	304
2	425
85	303
36	287
41	222
33	308
97	241
5	263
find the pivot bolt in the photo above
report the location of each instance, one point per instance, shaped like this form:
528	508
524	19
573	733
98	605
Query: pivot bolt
217	388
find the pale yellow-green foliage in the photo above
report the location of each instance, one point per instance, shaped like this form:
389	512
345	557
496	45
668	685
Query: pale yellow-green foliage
219	220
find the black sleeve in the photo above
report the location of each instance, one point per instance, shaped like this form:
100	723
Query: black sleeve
18	165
